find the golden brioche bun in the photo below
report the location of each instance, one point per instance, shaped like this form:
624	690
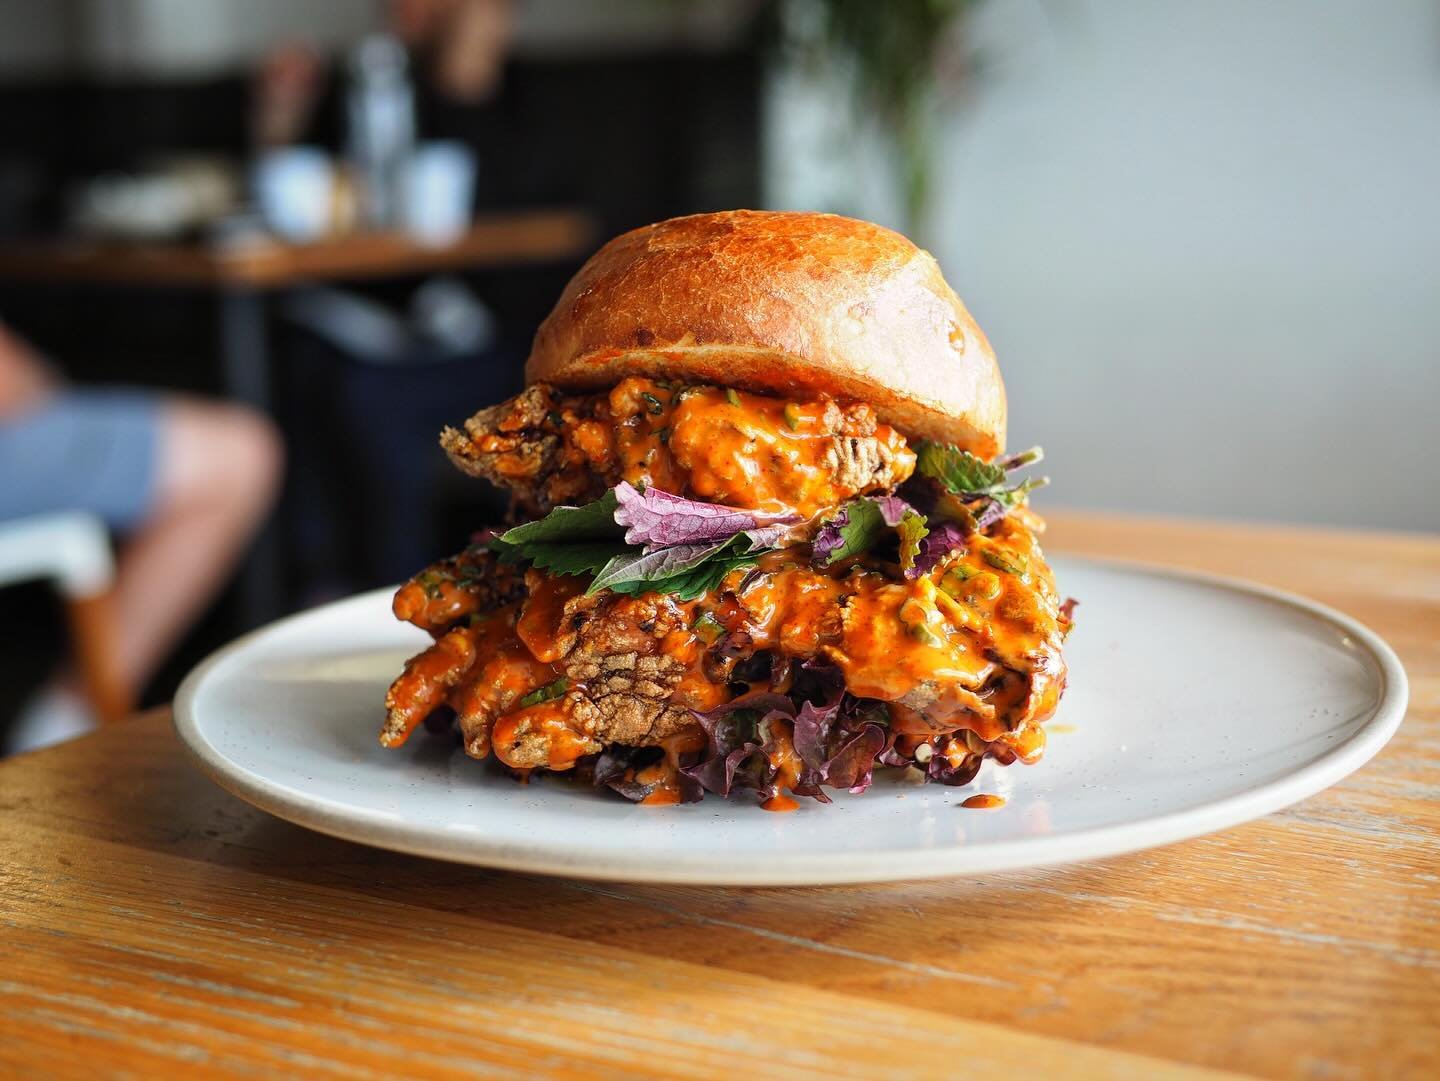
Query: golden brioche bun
782	302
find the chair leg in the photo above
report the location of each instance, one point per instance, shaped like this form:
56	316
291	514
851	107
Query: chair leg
92	631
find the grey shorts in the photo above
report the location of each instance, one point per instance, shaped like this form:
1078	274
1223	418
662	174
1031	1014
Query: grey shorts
91	449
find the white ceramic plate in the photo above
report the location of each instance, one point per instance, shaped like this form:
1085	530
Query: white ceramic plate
1195	703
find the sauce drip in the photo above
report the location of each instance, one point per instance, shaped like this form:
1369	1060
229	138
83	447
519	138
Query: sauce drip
983	801
664	775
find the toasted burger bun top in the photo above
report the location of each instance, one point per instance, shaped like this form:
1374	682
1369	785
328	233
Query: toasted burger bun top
783	302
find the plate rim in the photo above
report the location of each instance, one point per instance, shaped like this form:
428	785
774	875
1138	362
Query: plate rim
801	869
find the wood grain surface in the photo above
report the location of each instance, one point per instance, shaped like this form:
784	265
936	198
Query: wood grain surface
495	239
152	925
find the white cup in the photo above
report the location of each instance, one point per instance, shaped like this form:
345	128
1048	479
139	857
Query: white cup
295	190
437	192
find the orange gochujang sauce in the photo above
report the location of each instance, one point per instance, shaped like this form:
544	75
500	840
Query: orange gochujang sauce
724	446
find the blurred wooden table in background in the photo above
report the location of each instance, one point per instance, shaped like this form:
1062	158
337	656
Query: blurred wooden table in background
242	272
243	275
154	924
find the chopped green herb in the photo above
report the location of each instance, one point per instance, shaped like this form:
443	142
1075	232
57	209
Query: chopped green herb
983	587
731	396
921	633
1009	562
656	405
953	581
547	693
709	628
791	413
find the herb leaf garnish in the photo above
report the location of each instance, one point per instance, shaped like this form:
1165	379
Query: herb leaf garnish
626	540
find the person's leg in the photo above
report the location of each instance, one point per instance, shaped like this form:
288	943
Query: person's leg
218	470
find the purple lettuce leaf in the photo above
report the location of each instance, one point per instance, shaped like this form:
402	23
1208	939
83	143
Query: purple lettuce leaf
858	526
719	775
733	740
812	733
829	539
657	519
944	538
941	771
852	766
820	681
889	756
615	761
892	508
837	746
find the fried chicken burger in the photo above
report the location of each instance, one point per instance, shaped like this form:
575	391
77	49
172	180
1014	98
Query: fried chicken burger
764	536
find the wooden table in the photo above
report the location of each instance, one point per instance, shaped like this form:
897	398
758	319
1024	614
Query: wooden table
151	923
241	273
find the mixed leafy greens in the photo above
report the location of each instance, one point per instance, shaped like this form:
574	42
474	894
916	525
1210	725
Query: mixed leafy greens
634	540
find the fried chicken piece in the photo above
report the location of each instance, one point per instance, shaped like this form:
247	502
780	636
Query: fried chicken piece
546	735
862	463
506	443
503	673
448	591
427	679
749	450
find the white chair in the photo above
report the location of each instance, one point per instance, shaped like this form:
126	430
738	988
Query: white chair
72	549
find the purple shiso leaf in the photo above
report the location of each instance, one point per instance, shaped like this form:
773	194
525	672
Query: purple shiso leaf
653	564
767	536
991	513
658	519
941	541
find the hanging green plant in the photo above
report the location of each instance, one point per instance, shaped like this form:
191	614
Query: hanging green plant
895	50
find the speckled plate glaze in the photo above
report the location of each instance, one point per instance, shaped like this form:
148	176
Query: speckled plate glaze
1195	703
